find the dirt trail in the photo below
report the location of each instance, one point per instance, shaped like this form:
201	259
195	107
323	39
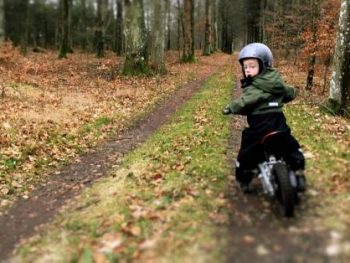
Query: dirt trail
45	202
258	233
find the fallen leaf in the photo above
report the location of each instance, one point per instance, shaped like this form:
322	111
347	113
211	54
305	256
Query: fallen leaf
135	230
248	239
261	250
109	242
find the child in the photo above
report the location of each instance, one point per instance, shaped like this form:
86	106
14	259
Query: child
264	94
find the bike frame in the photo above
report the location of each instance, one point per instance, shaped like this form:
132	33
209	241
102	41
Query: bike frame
265	168
265	175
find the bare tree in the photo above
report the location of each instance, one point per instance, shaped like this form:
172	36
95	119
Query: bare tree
340	83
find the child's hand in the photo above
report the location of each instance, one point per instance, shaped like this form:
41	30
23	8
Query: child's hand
226	110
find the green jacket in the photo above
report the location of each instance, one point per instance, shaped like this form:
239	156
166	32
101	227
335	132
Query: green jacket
265	93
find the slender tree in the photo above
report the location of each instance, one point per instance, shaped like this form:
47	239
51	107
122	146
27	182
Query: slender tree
188	24
214	29
24	5
64	41
83	25
207	49
99	32
119	29
254	17
168	15
340	83
312	58
180	26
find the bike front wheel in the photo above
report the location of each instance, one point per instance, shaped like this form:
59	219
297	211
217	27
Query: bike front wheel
285	191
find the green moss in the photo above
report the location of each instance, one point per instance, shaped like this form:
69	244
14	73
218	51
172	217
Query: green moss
135	67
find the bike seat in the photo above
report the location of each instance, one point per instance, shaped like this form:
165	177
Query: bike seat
271	135
274	141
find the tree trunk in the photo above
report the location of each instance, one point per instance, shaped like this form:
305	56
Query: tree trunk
83	25
135	61
340	82
207	50
168	12
64	42
229	13
180	27
144	33
158	37
188	54
24	26
2	25
192	31
214	27
262	35
119	29
253	20
312	58
99	36
70	37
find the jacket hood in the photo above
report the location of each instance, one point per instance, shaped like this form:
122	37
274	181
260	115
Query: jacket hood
269	81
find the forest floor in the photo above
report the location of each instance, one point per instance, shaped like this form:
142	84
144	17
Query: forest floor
167	196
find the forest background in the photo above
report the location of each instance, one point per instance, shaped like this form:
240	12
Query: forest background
133	38
72	71
303	32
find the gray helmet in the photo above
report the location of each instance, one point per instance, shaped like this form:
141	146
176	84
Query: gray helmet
258	51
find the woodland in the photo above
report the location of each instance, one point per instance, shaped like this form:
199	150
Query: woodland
75	73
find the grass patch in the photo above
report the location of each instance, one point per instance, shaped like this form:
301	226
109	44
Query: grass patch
165	200
326	142
96	125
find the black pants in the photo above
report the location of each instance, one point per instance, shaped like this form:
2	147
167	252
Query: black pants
251	152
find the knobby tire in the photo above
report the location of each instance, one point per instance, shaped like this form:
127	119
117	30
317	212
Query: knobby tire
285	191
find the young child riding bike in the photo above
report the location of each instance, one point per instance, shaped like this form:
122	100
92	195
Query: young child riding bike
264	94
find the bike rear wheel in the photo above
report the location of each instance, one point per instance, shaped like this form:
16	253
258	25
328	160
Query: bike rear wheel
285	191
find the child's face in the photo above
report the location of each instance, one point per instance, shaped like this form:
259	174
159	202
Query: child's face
251	67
